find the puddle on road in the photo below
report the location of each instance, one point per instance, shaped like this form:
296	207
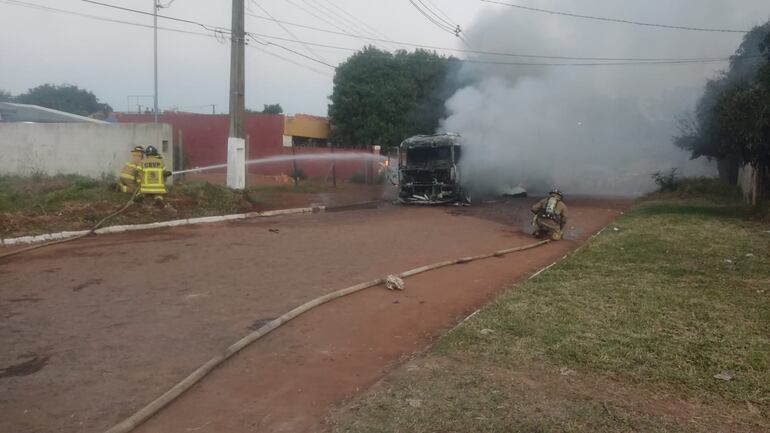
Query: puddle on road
31	366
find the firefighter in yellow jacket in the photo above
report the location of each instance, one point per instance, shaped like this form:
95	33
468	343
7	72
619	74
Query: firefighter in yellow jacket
550	216
129	174
153	173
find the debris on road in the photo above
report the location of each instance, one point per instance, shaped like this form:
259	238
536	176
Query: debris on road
393	282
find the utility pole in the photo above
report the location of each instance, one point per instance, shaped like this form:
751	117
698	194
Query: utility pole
155	7
236	143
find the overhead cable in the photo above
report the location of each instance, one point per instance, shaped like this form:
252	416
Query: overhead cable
484	52
286	29
615	20
372	30
137	11
601	61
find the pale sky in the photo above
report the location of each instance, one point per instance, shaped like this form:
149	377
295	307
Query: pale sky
115	60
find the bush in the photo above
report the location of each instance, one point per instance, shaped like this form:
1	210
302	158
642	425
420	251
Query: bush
703	188
667	182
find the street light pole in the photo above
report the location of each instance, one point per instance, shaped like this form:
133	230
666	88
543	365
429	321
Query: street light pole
155	6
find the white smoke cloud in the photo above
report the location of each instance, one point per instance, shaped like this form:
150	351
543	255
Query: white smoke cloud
588	130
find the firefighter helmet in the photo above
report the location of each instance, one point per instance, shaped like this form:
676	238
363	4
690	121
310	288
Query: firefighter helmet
556	191
138	149
151	150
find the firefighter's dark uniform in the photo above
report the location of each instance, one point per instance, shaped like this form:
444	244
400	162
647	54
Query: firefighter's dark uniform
550	217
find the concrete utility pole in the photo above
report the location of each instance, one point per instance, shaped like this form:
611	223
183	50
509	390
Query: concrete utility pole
155	7
236	143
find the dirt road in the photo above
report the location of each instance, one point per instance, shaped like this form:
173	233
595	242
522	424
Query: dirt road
93	330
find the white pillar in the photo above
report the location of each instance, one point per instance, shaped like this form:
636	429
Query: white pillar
236	163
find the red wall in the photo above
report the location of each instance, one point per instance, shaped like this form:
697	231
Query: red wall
204	143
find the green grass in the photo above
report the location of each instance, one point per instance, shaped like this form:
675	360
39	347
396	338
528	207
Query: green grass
43	194
40	204
640	320
712	190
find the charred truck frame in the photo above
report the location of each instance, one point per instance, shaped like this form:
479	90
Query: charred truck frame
428	170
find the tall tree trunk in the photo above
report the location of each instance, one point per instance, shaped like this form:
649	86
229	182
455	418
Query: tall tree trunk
728	168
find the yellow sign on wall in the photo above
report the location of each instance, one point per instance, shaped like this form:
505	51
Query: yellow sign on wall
302	125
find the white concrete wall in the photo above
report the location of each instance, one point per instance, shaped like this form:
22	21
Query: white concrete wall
76	148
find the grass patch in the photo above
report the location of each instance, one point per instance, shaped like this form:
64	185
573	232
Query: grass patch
44	194
41	204
627	334
709	189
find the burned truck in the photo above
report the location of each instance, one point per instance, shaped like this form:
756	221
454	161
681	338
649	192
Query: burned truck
428	170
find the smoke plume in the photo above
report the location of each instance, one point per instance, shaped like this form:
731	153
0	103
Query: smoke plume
588	130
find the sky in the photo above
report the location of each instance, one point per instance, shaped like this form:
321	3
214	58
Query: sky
115	60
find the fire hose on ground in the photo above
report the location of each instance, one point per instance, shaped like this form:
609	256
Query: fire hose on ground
80	236
196	376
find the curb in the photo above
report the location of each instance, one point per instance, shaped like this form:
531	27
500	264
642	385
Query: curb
173	223
535	275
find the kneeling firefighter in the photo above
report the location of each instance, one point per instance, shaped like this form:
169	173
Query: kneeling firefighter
129	174
550	216
153	173
145	171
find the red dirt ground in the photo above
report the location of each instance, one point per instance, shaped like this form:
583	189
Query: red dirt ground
95	329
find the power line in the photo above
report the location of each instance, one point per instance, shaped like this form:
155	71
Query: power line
484	52
99	18
614	20
492	62
208	27
447	21
372	29
315	15
334	15
137	11
218	34
256	39
661	62
454	28
620	62
288	60
285	29
438	24
325	12
444	14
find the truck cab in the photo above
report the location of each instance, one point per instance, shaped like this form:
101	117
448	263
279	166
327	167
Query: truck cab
428	170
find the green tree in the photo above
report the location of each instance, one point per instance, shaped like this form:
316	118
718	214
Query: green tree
716	130
382	98
65	97
272	109
5	96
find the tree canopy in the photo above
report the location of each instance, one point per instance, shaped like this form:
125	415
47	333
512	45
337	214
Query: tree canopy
5	96
65	97
732	118
272	109
381	97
